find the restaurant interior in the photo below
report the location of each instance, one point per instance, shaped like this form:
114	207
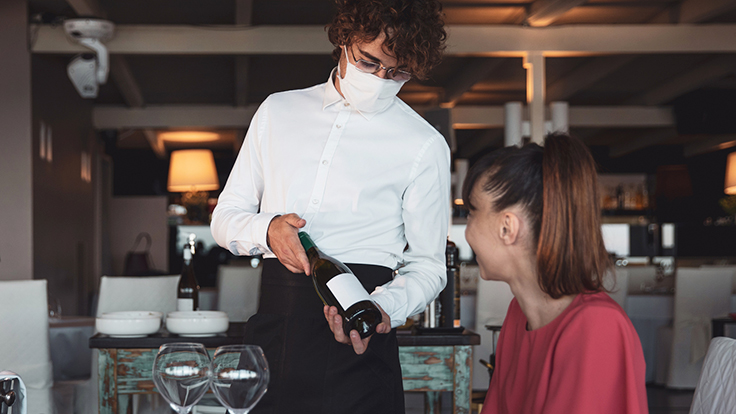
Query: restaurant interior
120	122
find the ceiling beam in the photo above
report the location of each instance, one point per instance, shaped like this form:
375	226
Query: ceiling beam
157	144
545	12
175	116
710	71
123	78
463	117
584	76
695	11
476	71
490	40
643	140
709	143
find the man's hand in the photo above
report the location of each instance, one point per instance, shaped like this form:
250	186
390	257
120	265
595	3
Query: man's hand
359	345
283	240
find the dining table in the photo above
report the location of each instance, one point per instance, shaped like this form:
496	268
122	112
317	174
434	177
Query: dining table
432	362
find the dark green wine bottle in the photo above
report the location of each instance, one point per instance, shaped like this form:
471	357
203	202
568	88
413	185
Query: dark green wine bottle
337	286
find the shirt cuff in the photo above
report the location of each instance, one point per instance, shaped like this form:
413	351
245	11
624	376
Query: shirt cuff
260	232
386	302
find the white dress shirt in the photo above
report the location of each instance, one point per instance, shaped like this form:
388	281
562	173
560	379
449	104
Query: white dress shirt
367	188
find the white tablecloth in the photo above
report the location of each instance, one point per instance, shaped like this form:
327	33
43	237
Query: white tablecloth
69	346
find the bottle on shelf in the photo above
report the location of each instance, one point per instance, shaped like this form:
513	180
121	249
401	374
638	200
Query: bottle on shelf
187	297
337	286
450	296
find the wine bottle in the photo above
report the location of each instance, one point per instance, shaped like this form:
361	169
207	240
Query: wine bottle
337	286
187	297
450	295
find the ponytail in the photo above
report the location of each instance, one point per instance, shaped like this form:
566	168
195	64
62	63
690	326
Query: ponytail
571	256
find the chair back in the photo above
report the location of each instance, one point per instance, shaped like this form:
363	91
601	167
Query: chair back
492	304
700	295
733	282
238	290
24	348
150	293
617	282
714	393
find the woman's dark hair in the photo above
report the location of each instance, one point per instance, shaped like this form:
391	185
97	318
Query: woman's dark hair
414	30
557	187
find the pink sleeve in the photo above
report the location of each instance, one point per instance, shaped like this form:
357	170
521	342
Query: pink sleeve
598	366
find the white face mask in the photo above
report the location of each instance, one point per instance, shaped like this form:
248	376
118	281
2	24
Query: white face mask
366	92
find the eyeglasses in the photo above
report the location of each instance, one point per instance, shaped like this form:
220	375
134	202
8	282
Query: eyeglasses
373	67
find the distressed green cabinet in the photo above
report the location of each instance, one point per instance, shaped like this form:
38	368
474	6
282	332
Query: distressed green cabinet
429	364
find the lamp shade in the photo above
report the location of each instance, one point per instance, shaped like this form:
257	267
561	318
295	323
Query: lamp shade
730	186
192	170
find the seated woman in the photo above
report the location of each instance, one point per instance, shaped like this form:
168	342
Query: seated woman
534	223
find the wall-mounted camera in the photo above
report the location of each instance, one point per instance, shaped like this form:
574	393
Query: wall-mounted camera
89	70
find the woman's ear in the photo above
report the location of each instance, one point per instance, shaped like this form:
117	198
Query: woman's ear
510	226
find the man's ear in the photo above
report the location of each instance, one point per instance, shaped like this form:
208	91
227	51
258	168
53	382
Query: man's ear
510	226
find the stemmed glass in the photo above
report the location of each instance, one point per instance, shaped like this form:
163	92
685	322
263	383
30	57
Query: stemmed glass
239	376
181	374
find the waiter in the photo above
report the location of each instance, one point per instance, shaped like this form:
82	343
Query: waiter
369	180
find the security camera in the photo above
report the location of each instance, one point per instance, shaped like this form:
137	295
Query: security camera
82	71
87	70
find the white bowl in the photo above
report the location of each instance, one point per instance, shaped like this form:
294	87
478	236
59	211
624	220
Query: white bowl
128	328
133	315
198	323
196	314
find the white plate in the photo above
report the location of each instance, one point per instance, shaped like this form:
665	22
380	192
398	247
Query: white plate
129	328
197	325
132	315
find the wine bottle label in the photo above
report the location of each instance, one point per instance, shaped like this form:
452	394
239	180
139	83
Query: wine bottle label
185	305
347	290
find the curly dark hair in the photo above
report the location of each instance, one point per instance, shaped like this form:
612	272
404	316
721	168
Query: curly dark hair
414	30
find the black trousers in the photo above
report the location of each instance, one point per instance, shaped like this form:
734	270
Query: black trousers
310	371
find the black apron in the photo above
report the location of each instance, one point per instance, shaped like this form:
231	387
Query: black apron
310	371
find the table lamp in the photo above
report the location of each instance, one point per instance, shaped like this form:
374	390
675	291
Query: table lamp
193	173
730	183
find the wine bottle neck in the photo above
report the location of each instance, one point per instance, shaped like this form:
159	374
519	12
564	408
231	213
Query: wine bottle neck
308	244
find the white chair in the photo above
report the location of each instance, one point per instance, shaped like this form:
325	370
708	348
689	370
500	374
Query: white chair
618	284
714	393
492	303
733	283
150	293
238	291
700	295
24	348
125	293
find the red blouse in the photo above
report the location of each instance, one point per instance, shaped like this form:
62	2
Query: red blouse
587	360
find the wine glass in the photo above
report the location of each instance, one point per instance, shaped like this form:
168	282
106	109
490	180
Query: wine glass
239	376
181	374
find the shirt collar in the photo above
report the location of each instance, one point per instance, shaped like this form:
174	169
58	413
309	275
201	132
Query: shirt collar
332	96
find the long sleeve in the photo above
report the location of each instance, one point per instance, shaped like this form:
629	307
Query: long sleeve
237	223
598	367
425	211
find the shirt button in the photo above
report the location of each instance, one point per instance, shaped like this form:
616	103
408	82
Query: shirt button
338	126
346	104
324	162
315	201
